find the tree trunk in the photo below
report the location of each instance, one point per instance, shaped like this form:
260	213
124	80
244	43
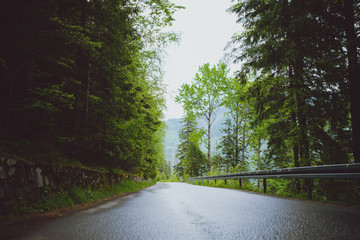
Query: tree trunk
300	92
297	64
258	153
8	115
353	75
296	154
304	150
243	144
87	99
237	136
295	138
303	138
209	142
81	75
301	107
258	157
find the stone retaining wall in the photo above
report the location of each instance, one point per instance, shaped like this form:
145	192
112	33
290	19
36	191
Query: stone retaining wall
21	179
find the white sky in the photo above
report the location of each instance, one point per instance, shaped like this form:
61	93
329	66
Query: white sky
205	29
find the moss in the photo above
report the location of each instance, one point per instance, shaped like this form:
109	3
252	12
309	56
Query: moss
77	195
62	178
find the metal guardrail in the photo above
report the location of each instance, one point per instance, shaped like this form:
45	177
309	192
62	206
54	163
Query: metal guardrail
337	171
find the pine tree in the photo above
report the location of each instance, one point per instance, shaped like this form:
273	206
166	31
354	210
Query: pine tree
192	159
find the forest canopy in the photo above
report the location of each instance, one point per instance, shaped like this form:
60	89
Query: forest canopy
295	101
81	81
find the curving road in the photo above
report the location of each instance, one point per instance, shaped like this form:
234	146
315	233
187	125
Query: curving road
183	211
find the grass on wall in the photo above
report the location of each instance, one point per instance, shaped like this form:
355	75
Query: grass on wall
52	201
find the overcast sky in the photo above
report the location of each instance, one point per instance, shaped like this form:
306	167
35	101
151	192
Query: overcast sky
205	29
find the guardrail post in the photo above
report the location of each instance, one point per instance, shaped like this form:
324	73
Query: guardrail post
264	184
215	181
309	188
239	182
225	181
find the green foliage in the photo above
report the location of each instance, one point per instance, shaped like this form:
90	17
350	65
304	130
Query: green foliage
83	81
161	177
204	96
293	102
343	192
300	79
232	184
174	178
78	196
56	200
220	164
51	99
228	146
192	159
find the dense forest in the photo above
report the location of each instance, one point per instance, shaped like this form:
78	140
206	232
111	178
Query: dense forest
295	101
81	81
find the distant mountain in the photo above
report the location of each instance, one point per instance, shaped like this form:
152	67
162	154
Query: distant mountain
172	135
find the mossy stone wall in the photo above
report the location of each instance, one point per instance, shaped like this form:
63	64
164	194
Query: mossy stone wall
25	180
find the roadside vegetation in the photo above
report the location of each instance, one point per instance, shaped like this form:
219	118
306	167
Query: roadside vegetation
63	199
164	178
293	103
286	188
81	82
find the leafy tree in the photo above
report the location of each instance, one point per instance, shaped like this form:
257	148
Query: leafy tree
204	96
240	112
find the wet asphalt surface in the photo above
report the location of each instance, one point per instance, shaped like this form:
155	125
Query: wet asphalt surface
183	211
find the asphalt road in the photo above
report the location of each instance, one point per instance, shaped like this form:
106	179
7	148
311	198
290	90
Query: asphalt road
183	211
